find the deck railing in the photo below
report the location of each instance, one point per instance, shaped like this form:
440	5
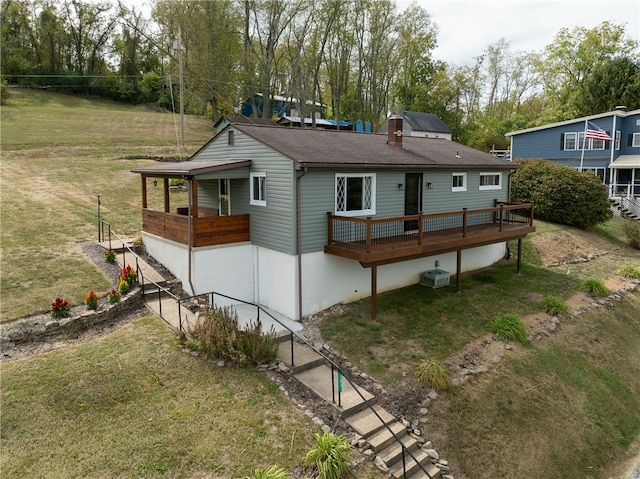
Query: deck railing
380	233
206	231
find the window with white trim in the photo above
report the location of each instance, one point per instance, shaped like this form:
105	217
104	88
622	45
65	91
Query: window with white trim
636	140
355	194
618	139
582	141
597	144
491	181
258	189
570	141
458	182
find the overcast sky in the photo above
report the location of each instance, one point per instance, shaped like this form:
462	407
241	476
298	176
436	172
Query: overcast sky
467	27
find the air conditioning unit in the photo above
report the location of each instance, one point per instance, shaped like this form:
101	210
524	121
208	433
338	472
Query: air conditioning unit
435	278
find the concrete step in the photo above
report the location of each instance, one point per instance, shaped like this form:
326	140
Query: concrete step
392	454
434	473
167	309
383	438
366	423
397	470
304	358
349	402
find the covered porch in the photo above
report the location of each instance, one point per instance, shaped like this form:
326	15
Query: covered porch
625	177
192	224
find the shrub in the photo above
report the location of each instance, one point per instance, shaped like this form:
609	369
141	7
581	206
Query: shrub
594	287
554	306
330	457
4	92
271	472
91	300
629	271
561	194
433	374
60	308
632	232
110	256
509	327
218	335
114	295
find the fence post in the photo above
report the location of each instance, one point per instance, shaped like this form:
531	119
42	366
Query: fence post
501	216
368	234
99	220
420	227
329	228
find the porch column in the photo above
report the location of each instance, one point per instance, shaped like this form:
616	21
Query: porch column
374	293
167	206
194	198
144	191
458	271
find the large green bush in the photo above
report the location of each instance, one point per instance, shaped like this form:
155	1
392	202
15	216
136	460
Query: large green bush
561	194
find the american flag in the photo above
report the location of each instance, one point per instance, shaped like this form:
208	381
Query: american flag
595	132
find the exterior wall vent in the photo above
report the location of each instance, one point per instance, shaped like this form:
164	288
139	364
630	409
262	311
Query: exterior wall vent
435	278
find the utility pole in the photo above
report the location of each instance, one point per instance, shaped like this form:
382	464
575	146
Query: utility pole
177	45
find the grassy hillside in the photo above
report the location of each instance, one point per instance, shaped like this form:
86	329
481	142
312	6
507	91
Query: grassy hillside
59	153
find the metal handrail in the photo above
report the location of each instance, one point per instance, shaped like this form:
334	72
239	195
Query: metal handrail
334	367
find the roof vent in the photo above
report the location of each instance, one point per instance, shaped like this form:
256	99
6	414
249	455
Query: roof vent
394	128
621	108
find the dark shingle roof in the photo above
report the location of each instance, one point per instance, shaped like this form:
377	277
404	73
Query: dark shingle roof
424	121
315	148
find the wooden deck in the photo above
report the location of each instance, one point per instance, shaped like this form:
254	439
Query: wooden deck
379	241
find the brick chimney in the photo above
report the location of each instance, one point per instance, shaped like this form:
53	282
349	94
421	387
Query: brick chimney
394	129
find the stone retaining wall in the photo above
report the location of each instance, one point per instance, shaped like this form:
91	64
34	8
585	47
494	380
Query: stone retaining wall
42	328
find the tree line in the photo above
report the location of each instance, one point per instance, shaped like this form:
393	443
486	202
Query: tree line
361	58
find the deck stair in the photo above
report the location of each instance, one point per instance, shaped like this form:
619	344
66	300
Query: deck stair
621	209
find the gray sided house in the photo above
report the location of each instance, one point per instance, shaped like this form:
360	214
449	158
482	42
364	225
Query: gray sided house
615	161
426	125
299	219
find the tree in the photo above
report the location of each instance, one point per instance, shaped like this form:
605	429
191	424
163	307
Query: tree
570	59
561	194
615	82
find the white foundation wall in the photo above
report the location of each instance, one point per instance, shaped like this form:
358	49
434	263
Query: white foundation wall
276	277
270	278
224	269
328	279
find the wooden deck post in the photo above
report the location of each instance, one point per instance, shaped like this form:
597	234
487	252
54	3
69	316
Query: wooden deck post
167	205
458	271
374	293
144	191
464	222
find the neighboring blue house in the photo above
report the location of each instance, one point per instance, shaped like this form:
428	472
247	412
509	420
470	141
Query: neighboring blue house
280	106
616	162
300	219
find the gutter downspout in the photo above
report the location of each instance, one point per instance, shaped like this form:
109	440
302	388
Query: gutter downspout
299	240
190	245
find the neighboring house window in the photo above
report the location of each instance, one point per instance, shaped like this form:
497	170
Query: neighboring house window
581	142
618	137
258	189
490	181
570	141
635	142
459	182
597	144
355	194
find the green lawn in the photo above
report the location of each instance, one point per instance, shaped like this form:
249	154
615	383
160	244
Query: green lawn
133	404
59	153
